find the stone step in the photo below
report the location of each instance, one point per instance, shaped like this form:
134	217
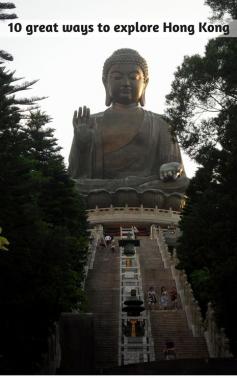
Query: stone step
103	290
167	325
102	287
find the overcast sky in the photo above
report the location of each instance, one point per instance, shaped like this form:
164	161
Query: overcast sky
69	66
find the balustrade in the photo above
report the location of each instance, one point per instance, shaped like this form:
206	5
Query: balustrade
217	342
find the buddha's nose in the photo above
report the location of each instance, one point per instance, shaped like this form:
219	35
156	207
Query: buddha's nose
126	81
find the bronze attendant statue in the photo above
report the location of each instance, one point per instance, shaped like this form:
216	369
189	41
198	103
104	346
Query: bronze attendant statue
126	155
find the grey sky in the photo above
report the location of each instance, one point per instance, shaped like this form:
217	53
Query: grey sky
69	67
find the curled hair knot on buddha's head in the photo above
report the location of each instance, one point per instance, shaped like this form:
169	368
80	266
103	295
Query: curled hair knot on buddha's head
125	56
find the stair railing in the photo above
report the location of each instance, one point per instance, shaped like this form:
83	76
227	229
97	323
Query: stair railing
217	342
190	305
96	235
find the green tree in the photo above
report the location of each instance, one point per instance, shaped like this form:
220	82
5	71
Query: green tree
41	213
220	7
6	16
203	89
202	107
4	243
61	210
5	7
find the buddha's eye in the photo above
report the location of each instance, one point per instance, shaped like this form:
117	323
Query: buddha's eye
134	76
116	76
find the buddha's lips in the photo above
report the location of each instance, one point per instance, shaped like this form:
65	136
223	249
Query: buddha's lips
126	90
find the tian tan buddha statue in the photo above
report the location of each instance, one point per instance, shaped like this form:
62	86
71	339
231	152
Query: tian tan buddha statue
125	154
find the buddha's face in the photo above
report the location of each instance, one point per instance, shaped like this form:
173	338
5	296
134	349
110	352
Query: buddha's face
125	83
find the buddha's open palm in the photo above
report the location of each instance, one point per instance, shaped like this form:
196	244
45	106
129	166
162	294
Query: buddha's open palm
82	124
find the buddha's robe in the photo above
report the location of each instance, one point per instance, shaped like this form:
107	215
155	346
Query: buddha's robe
124	150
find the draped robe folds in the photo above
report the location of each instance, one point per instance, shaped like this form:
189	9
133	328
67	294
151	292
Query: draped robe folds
135	164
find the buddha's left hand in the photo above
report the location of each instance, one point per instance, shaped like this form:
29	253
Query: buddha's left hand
170	171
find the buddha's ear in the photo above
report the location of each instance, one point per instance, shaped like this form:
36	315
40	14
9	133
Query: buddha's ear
108	99
142	99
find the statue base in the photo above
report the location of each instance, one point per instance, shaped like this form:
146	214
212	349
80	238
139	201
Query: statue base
140	192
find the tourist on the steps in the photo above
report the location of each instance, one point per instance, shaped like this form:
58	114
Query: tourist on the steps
169	351
173	298
102	242
152	300
108	239
164	298
113	245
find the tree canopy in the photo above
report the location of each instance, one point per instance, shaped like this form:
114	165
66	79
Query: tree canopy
220	7
44	221
5	7
6	16
202	107
202	92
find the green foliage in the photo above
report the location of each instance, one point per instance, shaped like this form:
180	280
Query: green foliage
43	217
4	55
220	7
203	89
202	107
6	6
4	243
200	281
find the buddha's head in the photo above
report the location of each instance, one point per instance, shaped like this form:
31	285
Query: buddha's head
125	77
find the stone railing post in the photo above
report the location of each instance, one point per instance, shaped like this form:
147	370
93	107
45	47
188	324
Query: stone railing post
152	232
217	342
184	288
162	247
199	321
111	209
97	233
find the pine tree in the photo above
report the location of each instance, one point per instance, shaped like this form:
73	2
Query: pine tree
6	16
6	6
60	209
42	217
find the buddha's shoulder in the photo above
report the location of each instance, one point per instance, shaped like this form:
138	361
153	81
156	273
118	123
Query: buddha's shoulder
97	115
159	118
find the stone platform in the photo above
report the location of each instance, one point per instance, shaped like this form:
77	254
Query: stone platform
133	215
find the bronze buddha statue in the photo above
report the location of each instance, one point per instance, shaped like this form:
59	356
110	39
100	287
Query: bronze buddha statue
126	155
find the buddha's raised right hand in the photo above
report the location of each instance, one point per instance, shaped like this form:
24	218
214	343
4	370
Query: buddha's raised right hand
82	124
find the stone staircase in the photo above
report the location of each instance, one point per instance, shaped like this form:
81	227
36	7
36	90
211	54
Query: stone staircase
102	288
170	324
